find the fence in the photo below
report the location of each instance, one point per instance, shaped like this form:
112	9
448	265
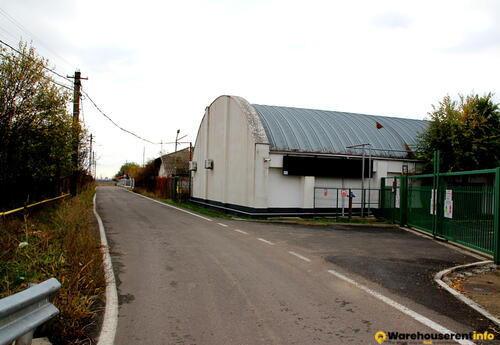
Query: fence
22	312
32	205
336	200
174	188
462	207
126	182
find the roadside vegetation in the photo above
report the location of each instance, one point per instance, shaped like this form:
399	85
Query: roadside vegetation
37	134
58	241
38	139
467	132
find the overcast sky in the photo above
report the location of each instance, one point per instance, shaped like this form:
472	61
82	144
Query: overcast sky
153	66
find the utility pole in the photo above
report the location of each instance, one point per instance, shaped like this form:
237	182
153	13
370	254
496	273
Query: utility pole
76	130
90	156
95	164
177	139
363	199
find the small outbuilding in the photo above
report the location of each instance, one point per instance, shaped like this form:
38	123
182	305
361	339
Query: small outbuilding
270	160
175	163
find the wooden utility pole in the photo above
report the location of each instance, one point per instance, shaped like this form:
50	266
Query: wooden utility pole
90	156
76	130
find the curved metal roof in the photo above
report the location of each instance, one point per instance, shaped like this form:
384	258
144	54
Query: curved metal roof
321	131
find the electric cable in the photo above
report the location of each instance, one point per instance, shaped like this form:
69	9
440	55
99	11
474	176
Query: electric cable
43	65
33	36
114	123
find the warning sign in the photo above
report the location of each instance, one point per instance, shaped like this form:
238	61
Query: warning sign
344	193
448	204
448	208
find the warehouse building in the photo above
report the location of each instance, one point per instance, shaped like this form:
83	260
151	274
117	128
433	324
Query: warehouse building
270	160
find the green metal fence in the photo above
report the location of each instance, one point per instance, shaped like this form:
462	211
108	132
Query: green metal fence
461	207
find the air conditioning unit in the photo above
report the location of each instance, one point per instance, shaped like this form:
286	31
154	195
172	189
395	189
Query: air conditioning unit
193	166
209	164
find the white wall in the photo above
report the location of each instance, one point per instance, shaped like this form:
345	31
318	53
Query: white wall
284	191
299	191
239	175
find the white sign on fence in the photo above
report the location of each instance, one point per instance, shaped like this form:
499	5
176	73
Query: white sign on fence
448	208
433	201
449	194
448	204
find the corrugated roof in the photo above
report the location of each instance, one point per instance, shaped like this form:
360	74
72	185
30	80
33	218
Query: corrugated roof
321	131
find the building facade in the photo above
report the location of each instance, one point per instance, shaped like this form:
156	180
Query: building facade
269	160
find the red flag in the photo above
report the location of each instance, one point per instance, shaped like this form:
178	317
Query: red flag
378	125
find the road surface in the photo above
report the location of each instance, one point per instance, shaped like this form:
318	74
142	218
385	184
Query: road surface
189	279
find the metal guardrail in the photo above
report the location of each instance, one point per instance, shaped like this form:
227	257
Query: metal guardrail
31	205
23	312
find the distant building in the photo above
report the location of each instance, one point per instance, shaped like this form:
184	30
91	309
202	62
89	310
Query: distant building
271	160
175	163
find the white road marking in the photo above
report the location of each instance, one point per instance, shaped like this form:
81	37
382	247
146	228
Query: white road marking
420	318
177	208
300	256
241	231
110	319
221	224
266	241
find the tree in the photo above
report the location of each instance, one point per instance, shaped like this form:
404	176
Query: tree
130	169
35	129
467	132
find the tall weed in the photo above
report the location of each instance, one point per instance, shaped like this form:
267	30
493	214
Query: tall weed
59	241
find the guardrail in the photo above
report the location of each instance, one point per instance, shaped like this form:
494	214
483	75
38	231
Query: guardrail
31	205
23	312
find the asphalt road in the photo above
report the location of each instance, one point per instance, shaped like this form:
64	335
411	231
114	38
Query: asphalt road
186	279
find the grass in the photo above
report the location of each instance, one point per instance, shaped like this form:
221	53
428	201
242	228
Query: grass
58	241
198	209
185	204
298	220
346	220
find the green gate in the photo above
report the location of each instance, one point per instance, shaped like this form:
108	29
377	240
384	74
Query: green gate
462	207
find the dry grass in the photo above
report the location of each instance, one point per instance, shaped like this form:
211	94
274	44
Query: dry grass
62	242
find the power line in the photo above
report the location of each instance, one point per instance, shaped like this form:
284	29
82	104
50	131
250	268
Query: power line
9	34
29	33
43	65
88	97
114	123
49	79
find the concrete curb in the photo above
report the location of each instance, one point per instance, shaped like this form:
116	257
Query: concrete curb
438	278
110	319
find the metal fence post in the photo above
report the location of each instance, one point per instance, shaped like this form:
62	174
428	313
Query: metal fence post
496	215
403	200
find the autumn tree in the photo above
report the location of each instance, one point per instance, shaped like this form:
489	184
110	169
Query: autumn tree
35	129
130	169
467	132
